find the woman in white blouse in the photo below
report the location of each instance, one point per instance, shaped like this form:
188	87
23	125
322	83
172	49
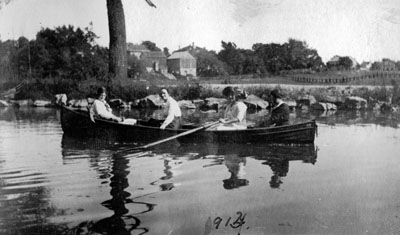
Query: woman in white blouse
101	109
173	119
235	112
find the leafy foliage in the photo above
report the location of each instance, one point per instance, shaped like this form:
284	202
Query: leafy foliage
345	62
61	52
135	67
208	64
151	46
232	56
270	58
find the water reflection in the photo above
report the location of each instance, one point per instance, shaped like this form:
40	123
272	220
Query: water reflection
234	157
83	187
235	165
25	205
280	169
351	117
169	163
31	114
122	221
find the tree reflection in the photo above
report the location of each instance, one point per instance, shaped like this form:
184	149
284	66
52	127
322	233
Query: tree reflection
116	224
121	222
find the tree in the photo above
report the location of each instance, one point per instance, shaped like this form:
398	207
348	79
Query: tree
292	55
397	65
135	66
345	63
272	55
117	31
117	46
151	46
61	52
232	56
116	24
300	56
208	64
252	63
166	51
8	50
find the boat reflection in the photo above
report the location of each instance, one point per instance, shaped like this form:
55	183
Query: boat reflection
234	157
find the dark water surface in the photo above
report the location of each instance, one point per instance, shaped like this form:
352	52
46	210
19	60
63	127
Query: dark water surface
347	182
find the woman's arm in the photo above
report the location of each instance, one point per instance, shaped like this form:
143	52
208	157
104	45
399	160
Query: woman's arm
173	110
238	114
101	111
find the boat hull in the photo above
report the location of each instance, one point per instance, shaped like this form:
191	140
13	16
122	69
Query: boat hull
77	123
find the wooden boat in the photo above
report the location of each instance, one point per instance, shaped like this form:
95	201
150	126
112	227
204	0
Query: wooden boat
77	122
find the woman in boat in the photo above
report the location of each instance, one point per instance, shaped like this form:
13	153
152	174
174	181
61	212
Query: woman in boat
279	111
173	119
235	112
101	109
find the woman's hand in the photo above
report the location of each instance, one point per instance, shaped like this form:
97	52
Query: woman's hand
228	121
222	120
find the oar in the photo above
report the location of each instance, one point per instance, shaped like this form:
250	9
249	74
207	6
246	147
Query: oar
207	125
180	135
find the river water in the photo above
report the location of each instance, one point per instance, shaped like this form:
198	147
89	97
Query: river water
347	182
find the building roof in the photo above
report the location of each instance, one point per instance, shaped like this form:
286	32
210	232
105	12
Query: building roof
181	55
153	54
136	47
336	59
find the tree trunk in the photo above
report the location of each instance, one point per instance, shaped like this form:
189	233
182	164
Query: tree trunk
118	52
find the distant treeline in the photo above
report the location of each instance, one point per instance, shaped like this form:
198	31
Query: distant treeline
69	53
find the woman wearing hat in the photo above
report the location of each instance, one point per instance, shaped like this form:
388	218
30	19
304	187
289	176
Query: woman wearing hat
279	111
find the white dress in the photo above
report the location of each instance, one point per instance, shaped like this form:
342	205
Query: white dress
236	110
102	110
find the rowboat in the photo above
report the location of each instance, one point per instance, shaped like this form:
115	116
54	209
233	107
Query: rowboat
78	123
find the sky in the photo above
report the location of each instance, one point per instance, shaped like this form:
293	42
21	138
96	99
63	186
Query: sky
367	30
